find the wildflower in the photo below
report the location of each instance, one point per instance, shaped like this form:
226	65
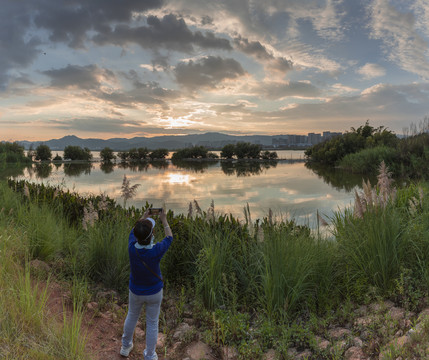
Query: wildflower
128	191
56	192
210	211
197	207
90	216
358	208
26	191
103	204
321	220
190	209
260	234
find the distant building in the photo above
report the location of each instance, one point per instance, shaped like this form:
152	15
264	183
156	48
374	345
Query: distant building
314	139
328	134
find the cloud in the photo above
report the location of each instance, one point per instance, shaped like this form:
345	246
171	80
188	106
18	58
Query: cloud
277	90
370	71
97	124
170	32
69	22
402	43
18	47
260	52
79	77
207	72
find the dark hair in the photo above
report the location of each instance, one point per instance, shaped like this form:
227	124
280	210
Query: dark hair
143	231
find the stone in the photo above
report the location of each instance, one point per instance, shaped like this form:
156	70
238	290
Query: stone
139	332
269	355
357	342
40	266
354	353
181	331
396	313
321	343
161	340
229	353
396	343
306	354
92	306
423	314
199	350
363	321
339	333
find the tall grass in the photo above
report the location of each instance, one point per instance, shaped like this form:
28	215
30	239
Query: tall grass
26	330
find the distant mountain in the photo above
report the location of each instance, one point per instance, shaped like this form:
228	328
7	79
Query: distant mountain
171	142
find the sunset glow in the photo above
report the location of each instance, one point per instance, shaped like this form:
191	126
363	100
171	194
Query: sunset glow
149	68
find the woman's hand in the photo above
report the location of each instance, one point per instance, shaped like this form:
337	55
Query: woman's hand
145	215
163	218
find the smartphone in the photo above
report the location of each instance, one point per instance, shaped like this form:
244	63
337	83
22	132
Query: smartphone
155	211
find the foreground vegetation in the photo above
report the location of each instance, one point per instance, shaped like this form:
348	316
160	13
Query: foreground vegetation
254	285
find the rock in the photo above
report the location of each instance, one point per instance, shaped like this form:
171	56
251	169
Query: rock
423	314
40	266
321	343
396	343
364	321
396	313
306	354
354	353
199	350
291	352
108	295
339	333
229	353
181	331
269	355
161	340
139	332
357	342
92	306
388	304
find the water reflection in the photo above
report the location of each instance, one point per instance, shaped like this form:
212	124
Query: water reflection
135	166
43	170
107	167
246	168
194	166
12	170
339	179
76	170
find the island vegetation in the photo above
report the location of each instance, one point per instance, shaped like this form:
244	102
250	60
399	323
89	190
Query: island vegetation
363	149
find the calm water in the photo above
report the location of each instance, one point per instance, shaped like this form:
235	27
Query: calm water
288	187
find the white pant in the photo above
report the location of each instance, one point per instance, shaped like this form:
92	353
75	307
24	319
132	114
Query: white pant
153	307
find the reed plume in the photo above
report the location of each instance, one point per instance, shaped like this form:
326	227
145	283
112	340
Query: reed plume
128	191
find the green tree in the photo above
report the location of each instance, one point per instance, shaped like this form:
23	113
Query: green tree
195	152
245	150
158	154
123	155
228	151
43	153
77	153
107	155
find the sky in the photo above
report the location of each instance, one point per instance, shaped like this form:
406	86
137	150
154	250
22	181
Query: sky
126	68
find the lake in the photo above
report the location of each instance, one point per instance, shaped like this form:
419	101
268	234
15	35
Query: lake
288	187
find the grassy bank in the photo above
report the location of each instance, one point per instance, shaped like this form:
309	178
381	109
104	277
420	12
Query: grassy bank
252	285
27	328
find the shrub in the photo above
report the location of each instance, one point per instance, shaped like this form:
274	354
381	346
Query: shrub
77	153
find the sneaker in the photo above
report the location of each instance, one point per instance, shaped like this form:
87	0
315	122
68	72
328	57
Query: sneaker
126	351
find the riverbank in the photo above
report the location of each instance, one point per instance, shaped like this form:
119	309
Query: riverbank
259	288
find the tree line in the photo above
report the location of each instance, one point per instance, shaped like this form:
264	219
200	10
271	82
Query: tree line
13	153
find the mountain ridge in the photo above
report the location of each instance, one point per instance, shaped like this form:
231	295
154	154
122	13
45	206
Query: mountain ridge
170	142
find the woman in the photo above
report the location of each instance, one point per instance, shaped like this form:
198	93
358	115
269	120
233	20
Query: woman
146	282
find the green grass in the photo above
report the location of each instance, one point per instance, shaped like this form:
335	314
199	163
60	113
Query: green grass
267	273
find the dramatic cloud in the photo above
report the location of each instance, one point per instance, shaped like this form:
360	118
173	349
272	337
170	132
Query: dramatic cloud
260	52
207	72
82	77
370	71
204	65
403	44
169	32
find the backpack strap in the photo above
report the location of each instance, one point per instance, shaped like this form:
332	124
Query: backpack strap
147	267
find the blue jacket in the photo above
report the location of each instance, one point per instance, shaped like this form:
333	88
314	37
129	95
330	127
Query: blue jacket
142	281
